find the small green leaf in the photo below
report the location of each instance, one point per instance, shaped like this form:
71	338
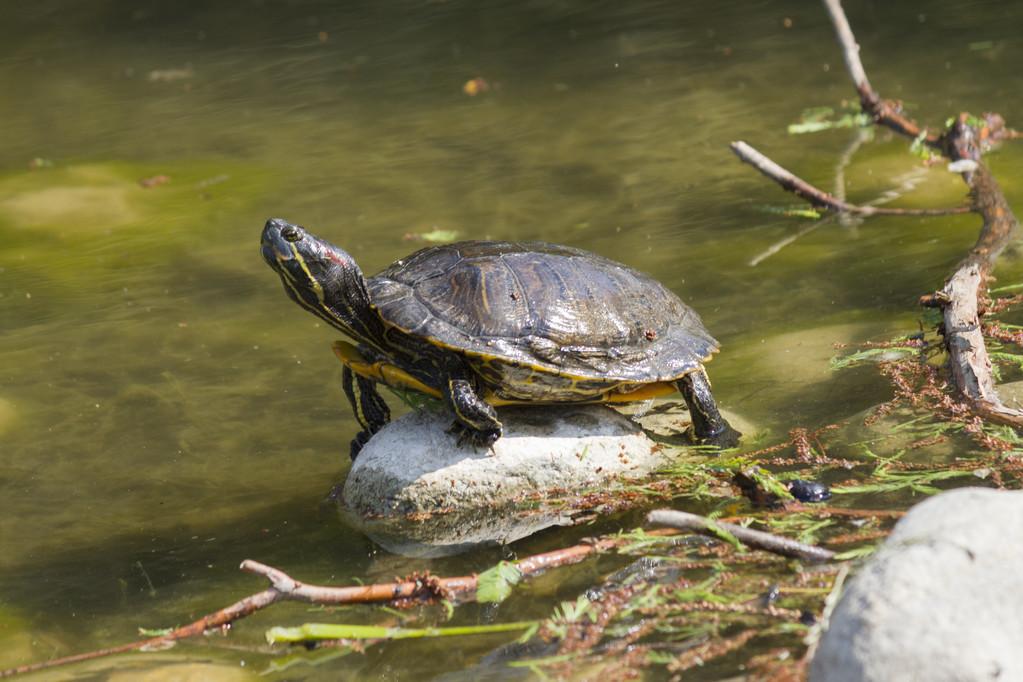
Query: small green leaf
155	632
799	211
723	535
767	482
495	584
573	612
810	213
817	120
919	147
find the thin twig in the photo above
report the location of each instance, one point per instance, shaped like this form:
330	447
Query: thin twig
752	538
884	112
358	594
818	197
847	220
850	48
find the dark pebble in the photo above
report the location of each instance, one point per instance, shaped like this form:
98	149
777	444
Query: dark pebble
809	491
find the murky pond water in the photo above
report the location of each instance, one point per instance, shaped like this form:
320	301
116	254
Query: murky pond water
166	412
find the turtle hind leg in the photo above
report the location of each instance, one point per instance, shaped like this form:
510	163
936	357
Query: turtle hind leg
709	427
369	407
476	420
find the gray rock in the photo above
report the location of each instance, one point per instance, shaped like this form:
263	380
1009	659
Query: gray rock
414	465
416	492
941	600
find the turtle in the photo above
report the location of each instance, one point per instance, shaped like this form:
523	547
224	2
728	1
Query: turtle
481	324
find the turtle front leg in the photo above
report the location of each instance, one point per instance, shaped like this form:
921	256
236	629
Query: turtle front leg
476	420
370	409
709	427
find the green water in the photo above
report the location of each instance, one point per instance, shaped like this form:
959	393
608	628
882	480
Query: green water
166	412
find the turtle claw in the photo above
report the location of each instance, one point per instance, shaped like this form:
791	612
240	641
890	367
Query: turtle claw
477	438
723	439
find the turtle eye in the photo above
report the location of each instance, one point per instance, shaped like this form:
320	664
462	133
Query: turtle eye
291	233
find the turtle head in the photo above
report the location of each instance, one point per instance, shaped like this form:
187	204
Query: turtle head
320	277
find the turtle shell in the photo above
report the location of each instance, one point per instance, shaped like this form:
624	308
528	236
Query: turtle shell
554	309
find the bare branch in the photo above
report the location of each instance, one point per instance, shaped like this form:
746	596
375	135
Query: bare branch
752	538
959	299
850	50
357	594
818	197
885	112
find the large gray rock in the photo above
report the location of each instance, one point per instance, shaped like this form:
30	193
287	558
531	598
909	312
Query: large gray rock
941	600
414	465
416	492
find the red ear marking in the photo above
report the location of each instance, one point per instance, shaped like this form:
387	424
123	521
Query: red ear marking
334	257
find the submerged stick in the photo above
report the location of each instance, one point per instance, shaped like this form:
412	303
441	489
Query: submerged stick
818	197
289	588
756	539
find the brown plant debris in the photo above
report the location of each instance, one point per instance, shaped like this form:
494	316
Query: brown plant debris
923	387
429	589
705	653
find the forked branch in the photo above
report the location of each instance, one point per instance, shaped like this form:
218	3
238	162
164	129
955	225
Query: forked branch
960	299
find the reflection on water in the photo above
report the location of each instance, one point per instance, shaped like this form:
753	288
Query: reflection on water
166	412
